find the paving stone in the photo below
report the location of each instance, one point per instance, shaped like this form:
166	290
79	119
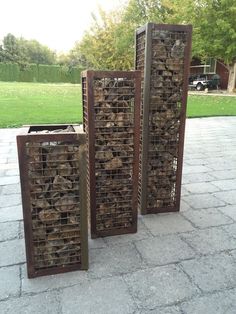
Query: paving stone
8	166
167	223
204	218
233	253
11	213
114	261
96	243
197	177
229	210
229	197
199	201
184	206
12	172
209	241
231	230
10	200
184	191
12	252
142	233
196	161
195	169
9	230
224	174
201	187
9	180
9	282
99	296
159	286
44	303
164	250
165	310
229	184
217	303
47	283
11	189
212	273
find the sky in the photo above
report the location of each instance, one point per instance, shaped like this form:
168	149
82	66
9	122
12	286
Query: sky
55	23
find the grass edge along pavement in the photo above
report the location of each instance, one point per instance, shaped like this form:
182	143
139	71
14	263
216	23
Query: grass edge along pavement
38	103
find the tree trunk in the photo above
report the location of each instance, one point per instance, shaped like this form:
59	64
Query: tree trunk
232	77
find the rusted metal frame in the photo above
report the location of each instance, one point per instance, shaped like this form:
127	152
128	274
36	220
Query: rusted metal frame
90	76
172	28
26	204
145	125
187	60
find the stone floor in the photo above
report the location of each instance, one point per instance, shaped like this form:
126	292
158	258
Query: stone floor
177	263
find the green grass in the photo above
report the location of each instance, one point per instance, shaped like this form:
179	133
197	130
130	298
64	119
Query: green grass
33	103
210	106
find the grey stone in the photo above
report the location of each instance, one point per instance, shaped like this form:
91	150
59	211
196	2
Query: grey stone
204	218
11	189
47	283
9	180
164	250
99	296
199	201
9	282
229	211
44	303
141	234
201	187
8	166
209	241
12	252
195	169
167	223
225	184
12	172
217	303
10	200
197	177
159	286
165	310
229	197
114	261
9	230
184	191
212	272
184	206
224	174
231	230
11	213
196	161
96	243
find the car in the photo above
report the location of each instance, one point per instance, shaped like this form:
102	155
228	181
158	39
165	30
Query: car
203	81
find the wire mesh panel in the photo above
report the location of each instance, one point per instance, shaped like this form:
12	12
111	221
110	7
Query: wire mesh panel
162	56
111	121
51	160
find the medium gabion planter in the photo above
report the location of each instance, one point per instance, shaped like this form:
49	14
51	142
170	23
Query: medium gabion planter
52	161
163	57
111	106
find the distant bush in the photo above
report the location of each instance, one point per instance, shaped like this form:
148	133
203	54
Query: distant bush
10	72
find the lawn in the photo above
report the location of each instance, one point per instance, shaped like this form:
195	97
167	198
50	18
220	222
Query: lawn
33	103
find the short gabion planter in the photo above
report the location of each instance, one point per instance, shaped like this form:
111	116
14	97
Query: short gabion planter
111	106
52	161
163	57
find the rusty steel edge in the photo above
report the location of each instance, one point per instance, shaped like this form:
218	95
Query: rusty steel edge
89	76
147	29
74	138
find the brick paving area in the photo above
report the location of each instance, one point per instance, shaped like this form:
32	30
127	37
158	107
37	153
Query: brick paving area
179	263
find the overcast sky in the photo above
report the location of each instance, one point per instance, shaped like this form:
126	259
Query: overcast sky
55	23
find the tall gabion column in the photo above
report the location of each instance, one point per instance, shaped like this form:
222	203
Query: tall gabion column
111	107
163	57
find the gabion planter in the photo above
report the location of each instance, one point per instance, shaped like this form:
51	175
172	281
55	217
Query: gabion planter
163	57
52	162
111	105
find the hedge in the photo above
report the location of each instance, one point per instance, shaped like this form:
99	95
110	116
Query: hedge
10	72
